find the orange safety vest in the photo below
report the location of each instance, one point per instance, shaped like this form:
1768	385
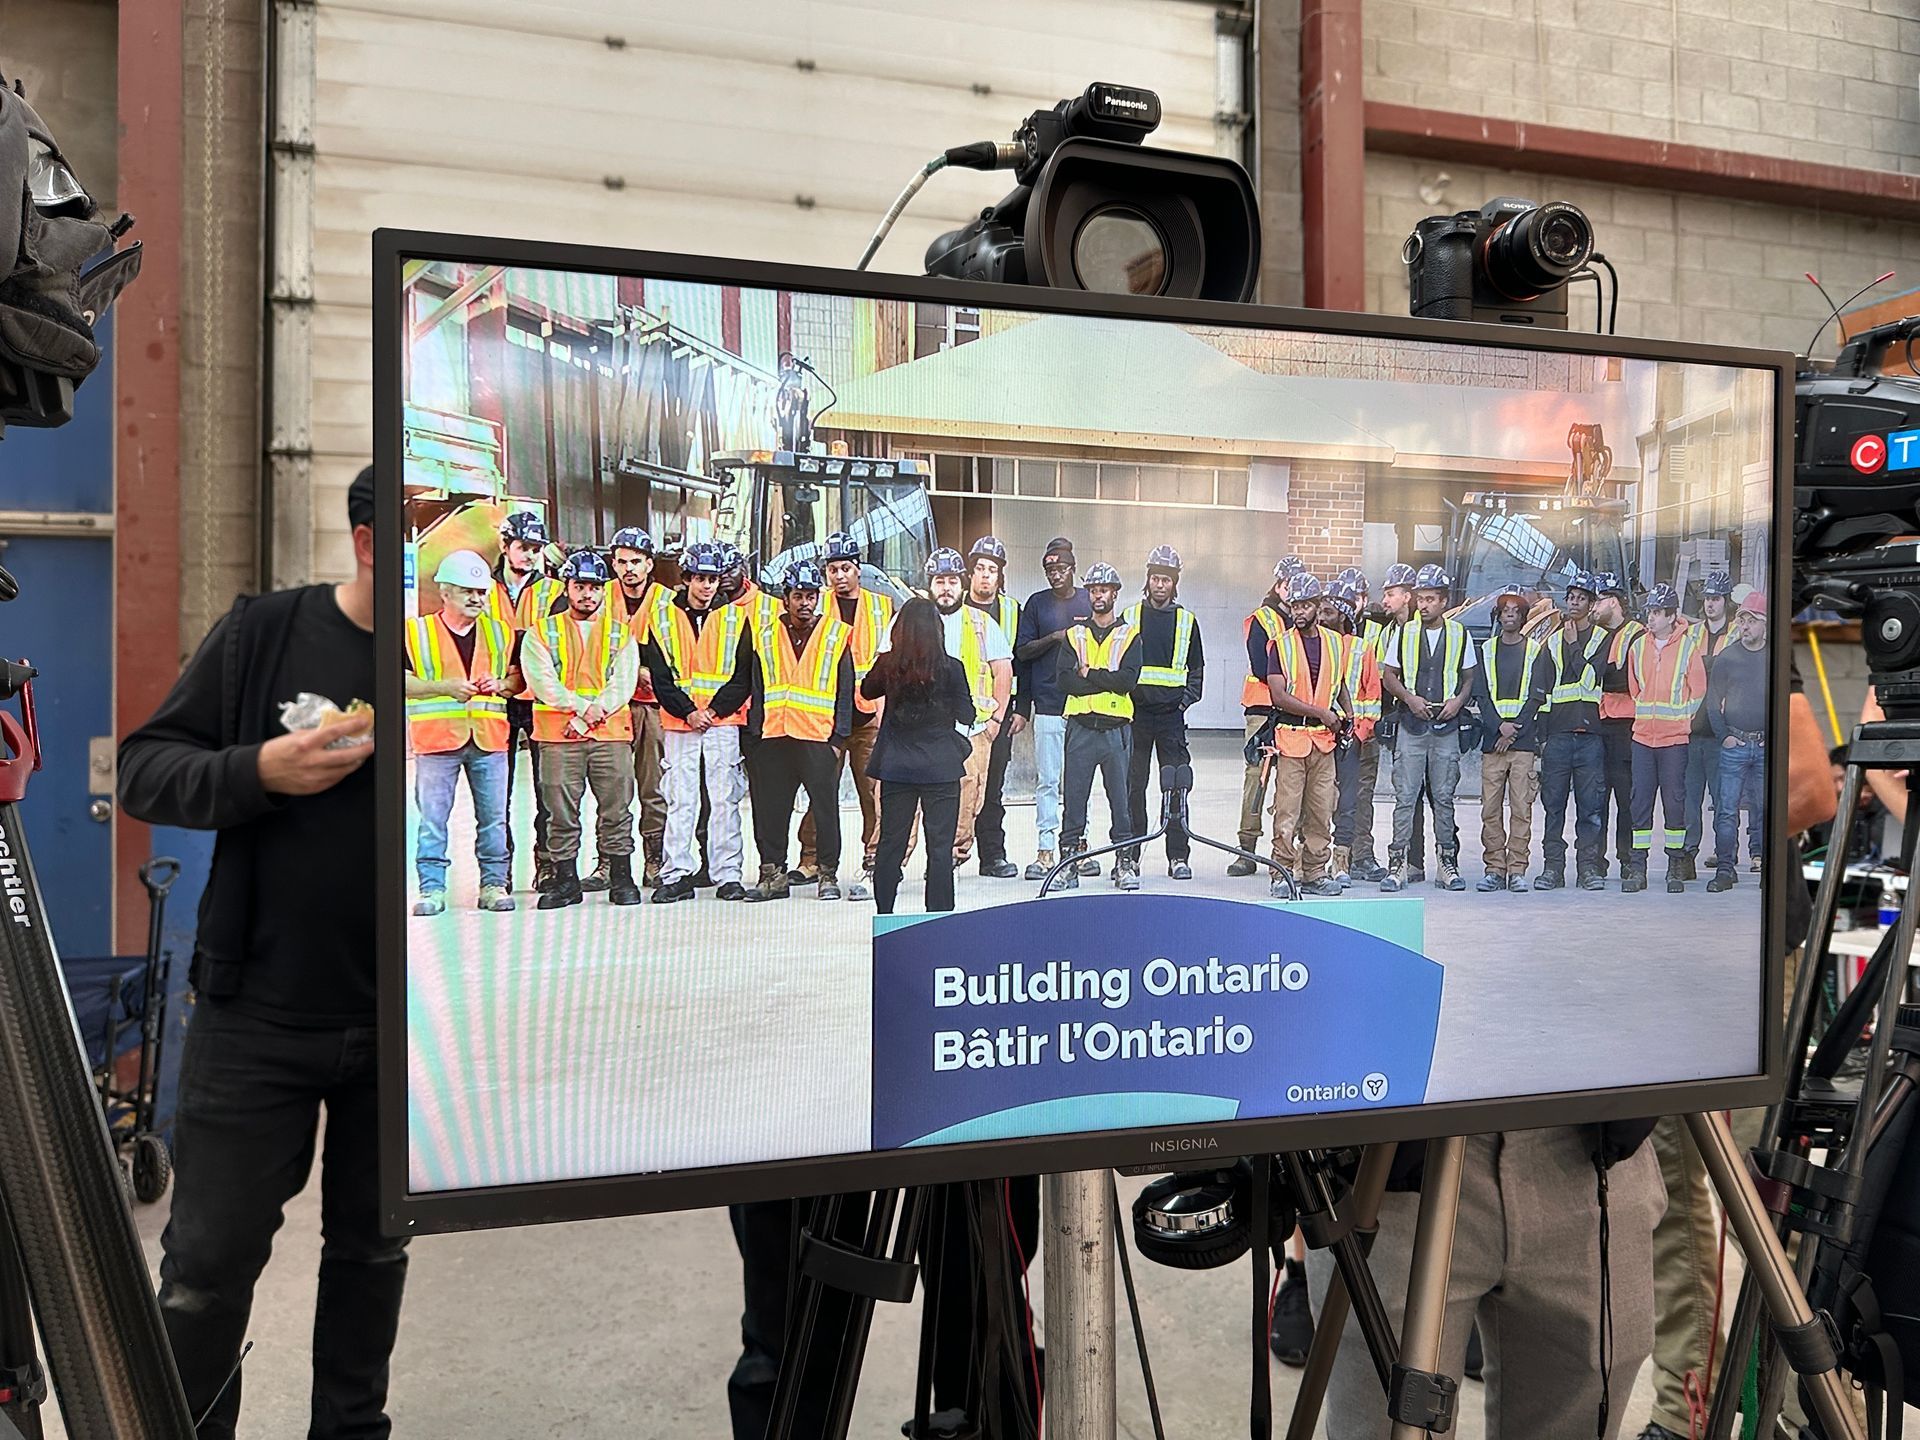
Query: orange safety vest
1254	694
1360	668
440	724
639	623
799	693
1667	683
872	619
535	602
583	664
1298	740
701	663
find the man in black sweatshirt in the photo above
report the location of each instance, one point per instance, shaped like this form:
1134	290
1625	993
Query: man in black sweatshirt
283	967
1098	668
1172	671
1736	707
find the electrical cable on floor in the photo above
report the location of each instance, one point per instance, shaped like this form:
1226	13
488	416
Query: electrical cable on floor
1133	1306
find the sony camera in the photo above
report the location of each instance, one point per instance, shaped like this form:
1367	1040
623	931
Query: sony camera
1506	263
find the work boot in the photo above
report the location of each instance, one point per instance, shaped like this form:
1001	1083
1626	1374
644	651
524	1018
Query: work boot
1593	879
1067	879
1241	867
543	875
1722	880
1325	885
496	898
702	878
1396	876
1292	1333
1042	862
776	882
673	890
596	879
1446	875
1491	882
1282	886
803	875
1180	869
431	902
1126	875
1367	870
1633	878
1656	1431
999	868
1675	885
564	889
620	887
654	846
861	886
1551	879
1341	868
1085	867
732	890
829	885
1682	866
1417	871
1517	884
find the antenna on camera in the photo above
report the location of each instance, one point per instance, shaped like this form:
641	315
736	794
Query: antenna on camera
1833	311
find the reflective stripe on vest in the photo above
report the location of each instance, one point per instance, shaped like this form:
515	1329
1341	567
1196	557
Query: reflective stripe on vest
1006	614
872	618
1174	676
1510	707
440	724
1676	705
973	659
1300	681
1098	654
1254	692
537	597
583	667
1412	646
799	692
701	663
1365	698
1585	688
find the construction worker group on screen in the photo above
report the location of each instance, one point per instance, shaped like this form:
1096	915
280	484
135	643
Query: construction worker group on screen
671	705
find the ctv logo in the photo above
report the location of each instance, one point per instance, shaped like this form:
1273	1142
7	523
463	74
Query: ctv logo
1899	451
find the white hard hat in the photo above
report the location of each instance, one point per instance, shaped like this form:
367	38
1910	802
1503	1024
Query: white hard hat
1740	594
464	567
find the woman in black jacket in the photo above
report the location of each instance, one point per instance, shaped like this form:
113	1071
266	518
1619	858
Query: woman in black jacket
920	754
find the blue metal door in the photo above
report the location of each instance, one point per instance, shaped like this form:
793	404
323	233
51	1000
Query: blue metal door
56	529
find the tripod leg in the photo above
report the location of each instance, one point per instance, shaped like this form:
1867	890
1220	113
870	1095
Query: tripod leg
1768	1266
1432	1259
1078	1251
1368	1186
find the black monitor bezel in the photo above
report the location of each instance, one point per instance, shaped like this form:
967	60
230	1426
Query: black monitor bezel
408	1213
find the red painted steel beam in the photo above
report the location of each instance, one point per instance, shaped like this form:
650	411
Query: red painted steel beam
1333	156
1626	160
146	388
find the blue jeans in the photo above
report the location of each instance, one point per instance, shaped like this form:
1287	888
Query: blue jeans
1049	764
1573	764
1742	781
435	779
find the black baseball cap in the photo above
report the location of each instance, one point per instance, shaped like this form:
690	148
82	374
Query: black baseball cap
360	499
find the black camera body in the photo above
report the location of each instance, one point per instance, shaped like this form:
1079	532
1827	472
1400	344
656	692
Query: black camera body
1506	263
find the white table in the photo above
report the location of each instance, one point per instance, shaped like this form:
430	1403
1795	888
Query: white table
1859	945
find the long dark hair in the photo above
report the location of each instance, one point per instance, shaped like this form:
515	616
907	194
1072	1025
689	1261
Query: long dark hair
918	650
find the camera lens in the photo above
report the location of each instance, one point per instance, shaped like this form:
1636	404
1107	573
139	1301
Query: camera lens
1537	250
1119	251
1563	240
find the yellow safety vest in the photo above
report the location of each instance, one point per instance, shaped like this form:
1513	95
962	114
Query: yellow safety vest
1098	654
1254	694
799	693
1365	697
973	659
872	617
1174	676
1585	686
700	663
1452	653
1509	707
440	724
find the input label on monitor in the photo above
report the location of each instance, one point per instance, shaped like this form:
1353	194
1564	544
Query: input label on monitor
1098	1012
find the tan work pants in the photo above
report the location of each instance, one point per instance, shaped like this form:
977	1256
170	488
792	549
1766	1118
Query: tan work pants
647	750
973	791
1509	781
1304	793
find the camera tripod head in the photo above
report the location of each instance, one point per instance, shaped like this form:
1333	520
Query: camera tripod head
14	675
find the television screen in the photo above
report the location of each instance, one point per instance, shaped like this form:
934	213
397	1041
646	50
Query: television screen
842	730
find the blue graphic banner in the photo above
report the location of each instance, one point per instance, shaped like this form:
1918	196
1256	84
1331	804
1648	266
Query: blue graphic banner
1102	1012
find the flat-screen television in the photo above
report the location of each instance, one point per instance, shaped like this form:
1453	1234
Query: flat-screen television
1434	664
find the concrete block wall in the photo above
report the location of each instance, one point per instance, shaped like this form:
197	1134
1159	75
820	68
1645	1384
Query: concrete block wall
1830	81
1278	136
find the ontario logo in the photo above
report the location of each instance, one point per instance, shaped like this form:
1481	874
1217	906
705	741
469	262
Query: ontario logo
1186	1146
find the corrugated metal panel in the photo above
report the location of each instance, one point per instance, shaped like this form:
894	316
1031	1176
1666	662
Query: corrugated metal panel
676	127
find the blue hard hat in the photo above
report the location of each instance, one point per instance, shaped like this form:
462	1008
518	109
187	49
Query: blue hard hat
1663	597
991	549
840	546
1432	577
945	561
1718	583
1354	576
1100	573
631	537
731	553
704	557
804	575
1584	580
1304	585
1164	557
1343	590
586	566
1398	573
524	525
1343	605
1609	584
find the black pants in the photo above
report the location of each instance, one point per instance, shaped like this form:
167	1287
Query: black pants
1162	733
990	825
1089	750
939	807
1617	737
520	722
1659	772
779	770
768	1236
250	1098
1573	762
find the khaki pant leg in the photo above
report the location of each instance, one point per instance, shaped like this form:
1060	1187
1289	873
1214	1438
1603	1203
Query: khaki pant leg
1319	795
859	751
973	790
647	750
563	784
1685	1268
1523	787
610	770
1495	779
1289	795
